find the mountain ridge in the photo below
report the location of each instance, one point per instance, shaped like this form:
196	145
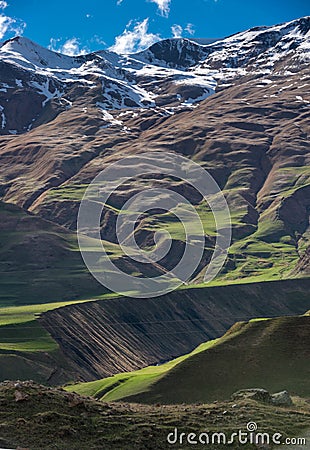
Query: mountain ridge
247	126
182	72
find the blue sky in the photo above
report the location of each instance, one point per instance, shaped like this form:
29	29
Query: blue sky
78	26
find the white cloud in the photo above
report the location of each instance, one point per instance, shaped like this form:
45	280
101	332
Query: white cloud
71	47
98	40
5	23
190	29
9	24
177	31
163	6
134	40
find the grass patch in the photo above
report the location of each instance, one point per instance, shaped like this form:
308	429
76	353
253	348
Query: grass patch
26	313
73	192
26	337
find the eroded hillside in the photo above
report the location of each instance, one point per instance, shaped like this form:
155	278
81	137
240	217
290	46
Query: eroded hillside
122	335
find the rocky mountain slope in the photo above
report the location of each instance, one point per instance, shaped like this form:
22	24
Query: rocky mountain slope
239	107
174	72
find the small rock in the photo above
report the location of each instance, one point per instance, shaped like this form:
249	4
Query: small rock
67	431
21	421
74	400
281	399
20	396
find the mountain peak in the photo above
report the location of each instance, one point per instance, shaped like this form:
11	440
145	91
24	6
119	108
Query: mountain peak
174	52
26	53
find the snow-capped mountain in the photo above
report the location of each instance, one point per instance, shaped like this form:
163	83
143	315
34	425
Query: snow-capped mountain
36	84
64	119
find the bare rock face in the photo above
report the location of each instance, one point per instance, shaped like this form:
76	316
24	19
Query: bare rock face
303	266
122	334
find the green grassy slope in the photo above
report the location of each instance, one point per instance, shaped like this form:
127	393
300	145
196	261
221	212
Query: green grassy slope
27	313
27	350
40	269
131	383
273	354
262	252
26	337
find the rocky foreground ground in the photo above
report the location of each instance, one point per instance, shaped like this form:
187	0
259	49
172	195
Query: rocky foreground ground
36	417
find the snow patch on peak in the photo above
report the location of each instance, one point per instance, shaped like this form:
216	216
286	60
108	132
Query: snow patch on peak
28	54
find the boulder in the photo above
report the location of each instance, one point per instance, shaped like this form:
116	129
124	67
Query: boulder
260	395
281	399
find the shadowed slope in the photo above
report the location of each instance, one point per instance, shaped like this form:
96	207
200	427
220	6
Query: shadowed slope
40	261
